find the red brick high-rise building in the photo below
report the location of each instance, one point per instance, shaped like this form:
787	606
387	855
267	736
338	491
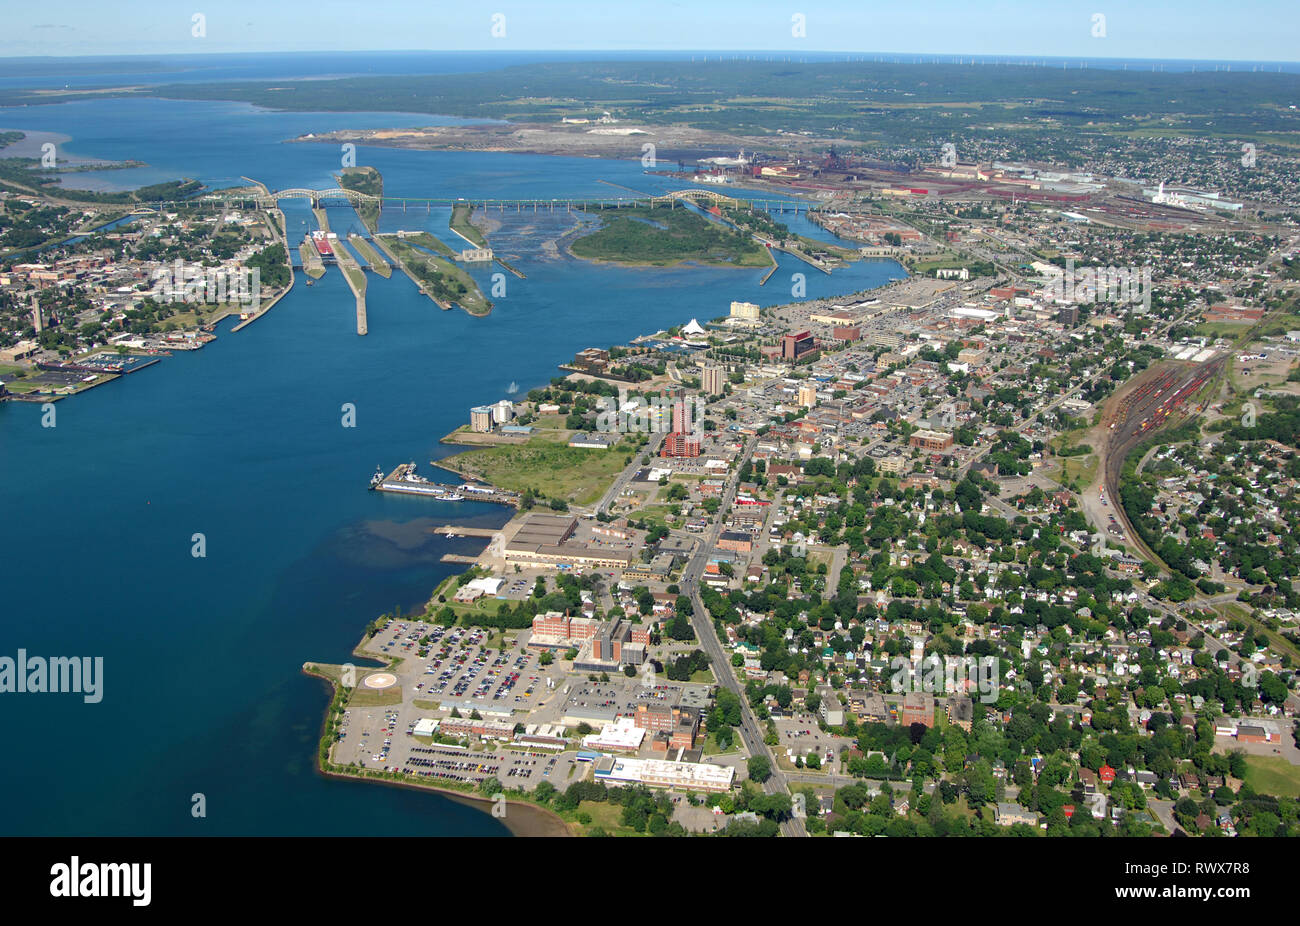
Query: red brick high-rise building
682	441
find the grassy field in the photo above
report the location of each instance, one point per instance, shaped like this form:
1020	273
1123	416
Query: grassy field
463	435
545	465
1221	329
366	697
711	747
356	278
659	514
428	240
608	816
442	278
483	606
661	237
946	261
1083	468
348	264
201	315
371	256
1273	775
463	226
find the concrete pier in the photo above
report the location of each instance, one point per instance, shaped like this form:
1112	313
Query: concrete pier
487	532
356	279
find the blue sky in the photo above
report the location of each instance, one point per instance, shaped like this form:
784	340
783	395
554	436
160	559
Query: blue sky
1247	30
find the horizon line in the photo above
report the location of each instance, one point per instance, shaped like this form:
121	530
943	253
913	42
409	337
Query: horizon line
676	51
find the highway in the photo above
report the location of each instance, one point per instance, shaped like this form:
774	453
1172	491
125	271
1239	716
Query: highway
750	732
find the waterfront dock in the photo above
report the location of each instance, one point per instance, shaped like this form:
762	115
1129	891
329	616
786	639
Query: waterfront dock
404	481
356	280
456	530
459	558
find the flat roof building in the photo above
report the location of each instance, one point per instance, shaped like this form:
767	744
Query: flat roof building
622	735
931	440
662	773
545	540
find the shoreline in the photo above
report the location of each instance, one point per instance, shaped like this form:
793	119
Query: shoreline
538	822
535	820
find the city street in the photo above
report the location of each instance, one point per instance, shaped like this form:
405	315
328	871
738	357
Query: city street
750	732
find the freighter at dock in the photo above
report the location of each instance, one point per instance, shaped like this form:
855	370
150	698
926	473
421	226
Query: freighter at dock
405	479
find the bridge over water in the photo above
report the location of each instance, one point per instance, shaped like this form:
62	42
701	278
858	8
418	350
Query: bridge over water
702	198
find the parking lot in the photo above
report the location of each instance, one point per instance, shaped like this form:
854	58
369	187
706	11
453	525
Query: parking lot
466	671
456	664
801	734
453	666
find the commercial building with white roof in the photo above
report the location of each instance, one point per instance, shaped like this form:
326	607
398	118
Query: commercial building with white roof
657	773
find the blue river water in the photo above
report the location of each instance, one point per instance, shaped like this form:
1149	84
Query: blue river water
243	442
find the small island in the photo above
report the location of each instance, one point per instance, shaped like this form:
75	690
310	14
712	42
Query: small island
659	237
366	180
431	265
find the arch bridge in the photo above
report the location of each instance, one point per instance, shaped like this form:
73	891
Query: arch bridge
697	197
708	198
316	197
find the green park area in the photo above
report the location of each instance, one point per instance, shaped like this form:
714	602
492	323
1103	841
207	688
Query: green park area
663	236
441	278
546	465
1273	775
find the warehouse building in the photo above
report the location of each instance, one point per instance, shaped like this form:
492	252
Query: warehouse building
662	773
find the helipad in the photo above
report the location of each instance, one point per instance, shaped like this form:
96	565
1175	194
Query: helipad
380	680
